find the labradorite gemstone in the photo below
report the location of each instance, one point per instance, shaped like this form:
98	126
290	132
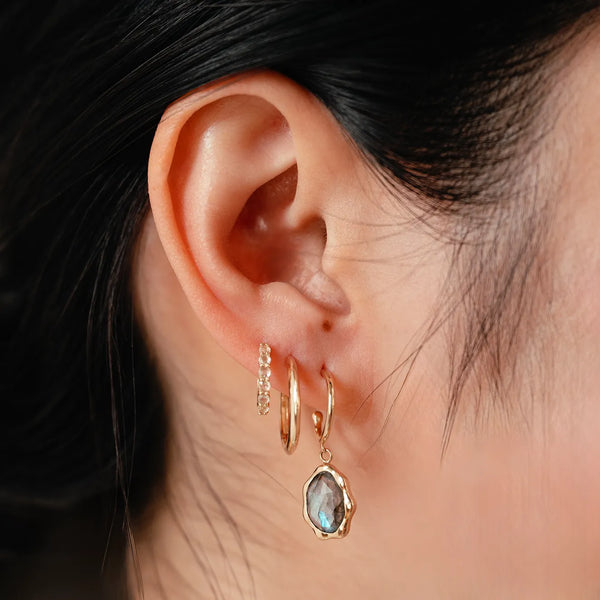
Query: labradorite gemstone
325	502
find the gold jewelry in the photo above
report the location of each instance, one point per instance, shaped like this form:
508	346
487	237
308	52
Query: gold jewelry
263	394
328	503
290	409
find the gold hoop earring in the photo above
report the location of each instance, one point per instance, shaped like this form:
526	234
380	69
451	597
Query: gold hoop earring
263	383
290	409
328	503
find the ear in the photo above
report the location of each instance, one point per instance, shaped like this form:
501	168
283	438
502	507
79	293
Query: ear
242	177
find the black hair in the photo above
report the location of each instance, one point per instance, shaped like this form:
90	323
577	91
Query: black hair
436	97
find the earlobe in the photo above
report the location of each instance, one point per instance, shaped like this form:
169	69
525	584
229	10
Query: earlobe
232	178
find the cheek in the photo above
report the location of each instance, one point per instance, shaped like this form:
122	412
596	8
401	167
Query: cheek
523	509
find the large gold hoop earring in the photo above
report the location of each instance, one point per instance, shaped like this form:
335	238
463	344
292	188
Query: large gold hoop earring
290	409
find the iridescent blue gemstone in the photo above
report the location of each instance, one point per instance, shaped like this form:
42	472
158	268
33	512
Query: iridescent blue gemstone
325	502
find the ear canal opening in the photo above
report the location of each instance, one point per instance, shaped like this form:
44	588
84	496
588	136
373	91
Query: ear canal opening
266	248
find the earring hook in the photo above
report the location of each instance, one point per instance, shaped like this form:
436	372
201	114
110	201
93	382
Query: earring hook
322	429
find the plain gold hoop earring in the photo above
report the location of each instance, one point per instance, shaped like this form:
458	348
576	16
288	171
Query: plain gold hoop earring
290	409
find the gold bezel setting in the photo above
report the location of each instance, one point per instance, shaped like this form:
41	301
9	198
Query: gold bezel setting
349	503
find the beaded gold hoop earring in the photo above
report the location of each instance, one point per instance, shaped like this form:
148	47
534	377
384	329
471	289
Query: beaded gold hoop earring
328	503
290	409
263	383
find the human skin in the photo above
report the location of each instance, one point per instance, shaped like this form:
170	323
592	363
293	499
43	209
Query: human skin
243	174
